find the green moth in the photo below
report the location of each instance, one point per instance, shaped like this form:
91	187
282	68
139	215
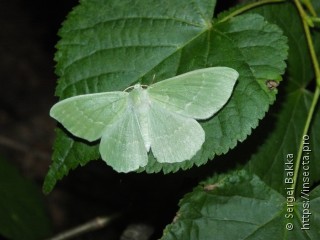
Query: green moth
161	117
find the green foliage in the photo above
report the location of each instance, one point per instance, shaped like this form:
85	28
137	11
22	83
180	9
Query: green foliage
239	205
290	117
110	45
255	207
22	214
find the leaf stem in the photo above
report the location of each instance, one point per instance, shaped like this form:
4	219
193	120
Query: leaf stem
315	19
309	41
309	6
305	132
248	7
317	90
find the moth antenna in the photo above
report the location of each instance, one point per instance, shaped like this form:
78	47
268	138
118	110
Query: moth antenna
153	78
130	87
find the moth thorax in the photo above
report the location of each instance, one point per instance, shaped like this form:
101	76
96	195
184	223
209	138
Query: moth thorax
141	105
138	96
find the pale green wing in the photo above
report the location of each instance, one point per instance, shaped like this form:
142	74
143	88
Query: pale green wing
198	94
86	116
174	138
122	146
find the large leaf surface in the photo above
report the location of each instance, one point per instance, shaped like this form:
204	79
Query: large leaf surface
110	45
240	206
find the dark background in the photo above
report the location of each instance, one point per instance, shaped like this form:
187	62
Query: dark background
27	38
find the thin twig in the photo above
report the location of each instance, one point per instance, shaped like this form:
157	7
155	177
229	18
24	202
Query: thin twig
97	223
10	143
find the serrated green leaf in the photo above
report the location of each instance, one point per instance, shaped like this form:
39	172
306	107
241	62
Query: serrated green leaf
299	68
291	116
22	214
68	155
246	39
240	206
110	45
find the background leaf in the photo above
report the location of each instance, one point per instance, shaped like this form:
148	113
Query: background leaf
22	213
240	206
316	5
290	113
109	46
